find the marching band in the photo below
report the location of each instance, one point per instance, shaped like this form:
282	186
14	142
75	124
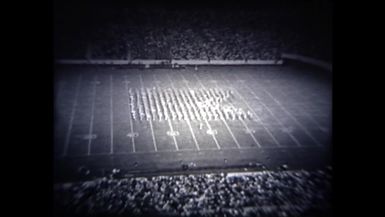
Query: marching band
182	104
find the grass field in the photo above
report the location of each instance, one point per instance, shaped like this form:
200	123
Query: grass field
286	118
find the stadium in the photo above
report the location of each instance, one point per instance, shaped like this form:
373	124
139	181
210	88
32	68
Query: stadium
193	111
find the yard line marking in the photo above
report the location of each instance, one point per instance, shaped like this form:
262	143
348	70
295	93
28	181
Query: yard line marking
187	119
69	130
92	117
152	128
204	118
168	119
272	114
173	136
223	120
255	114
251	134
111	117
153	136
243	122
129	115
231	133
291	116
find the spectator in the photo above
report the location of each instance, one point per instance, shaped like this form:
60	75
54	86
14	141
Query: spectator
273	193
207	35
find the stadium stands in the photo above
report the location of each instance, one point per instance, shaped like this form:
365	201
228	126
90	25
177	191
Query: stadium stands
280	193
206	35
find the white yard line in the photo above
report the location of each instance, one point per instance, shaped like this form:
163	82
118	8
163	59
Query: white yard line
255	114
74	106
187	119
111	116
129	115
231	133
193	135
223	120
173	136
207	123
151	126
168	119
244	124
92	117
215	139
251	134
272	114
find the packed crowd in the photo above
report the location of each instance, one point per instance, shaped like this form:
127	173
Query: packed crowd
205	35
265	193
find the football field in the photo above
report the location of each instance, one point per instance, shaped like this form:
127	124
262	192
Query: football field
155	120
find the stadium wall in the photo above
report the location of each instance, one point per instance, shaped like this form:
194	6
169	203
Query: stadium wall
168	62
308	60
